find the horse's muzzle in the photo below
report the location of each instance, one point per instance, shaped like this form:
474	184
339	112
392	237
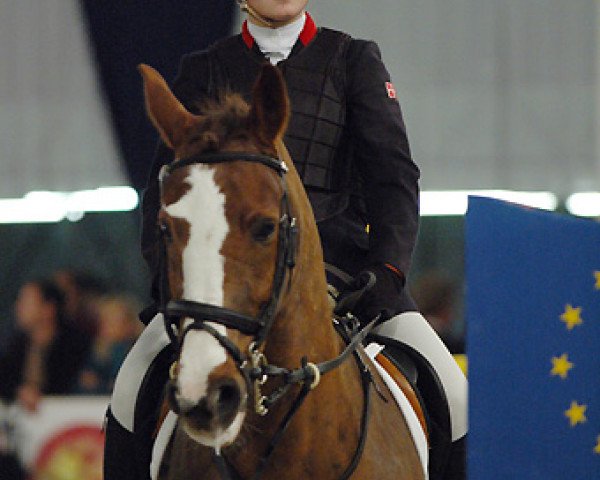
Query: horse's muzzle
215	411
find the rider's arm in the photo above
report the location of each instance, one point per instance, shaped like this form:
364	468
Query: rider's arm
390	177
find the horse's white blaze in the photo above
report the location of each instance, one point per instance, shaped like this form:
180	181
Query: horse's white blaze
203	206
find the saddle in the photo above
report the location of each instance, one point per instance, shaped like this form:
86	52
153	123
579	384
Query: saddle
421	385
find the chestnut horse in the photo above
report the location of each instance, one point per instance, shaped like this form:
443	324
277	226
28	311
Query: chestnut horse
265	386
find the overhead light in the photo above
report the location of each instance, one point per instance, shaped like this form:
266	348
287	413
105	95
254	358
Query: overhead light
454	202
103	199
584	204
45	206
35	207
49	207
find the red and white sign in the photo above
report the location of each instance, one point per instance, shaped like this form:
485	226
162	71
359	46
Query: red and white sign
63	439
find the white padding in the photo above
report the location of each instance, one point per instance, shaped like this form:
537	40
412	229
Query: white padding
416	430
161	443
151	342
414	330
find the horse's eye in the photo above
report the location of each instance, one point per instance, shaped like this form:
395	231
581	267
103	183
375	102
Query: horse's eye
263	229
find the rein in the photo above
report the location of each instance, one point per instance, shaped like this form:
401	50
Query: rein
254	366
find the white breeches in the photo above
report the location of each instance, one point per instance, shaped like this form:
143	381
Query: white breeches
414	330
150	343
409	327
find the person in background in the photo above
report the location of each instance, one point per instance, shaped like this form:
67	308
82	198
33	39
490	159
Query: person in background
435	294
82	292
45	354
118	327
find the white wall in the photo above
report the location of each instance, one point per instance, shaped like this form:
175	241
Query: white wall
54	131
496	93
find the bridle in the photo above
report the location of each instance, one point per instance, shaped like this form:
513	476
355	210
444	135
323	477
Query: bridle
200	313
253	365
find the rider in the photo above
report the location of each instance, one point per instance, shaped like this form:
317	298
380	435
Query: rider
347	138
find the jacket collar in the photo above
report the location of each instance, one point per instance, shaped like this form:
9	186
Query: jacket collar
306	35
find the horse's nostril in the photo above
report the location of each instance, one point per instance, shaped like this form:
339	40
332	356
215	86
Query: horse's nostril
217	409
227	397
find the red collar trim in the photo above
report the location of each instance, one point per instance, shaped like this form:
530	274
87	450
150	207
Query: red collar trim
306	35
309	31
246	36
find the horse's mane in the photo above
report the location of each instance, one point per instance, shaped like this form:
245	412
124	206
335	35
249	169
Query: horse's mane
223	119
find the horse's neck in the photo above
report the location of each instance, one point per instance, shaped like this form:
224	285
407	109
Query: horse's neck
304	328
306	313
329	415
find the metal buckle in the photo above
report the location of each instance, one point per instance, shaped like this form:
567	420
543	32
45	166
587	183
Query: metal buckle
258	360
173	369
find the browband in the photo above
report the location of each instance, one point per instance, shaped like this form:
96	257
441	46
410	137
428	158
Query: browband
203	312
211	158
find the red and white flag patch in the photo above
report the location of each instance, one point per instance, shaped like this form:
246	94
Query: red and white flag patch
391	91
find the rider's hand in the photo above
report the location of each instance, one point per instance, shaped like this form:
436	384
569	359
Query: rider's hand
383	297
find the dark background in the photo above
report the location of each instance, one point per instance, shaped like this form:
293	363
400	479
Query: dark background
156	32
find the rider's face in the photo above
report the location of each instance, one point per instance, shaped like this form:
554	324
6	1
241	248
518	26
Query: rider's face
279	10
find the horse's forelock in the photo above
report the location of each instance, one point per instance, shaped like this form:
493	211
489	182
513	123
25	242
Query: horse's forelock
222	119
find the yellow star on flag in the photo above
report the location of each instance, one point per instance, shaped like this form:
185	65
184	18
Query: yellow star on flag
597	447
571	316
561	366
576	413
597	275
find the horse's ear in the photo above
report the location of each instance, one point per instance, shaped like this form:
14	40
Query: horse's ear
270	105
167	113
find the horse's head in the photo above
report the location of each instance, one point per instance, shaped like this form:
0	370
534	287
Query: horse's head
226	237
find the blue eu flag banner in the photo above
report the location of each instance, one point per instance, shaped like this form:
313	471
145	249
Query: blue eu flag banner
533	306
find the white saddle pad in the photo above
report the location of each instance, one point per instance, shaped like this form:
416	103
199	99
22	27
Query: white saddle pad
418	435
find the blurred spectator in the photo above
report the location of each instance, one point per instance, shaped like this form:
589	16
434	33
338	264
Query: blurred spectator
118	327
45	354
435	294
82	293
